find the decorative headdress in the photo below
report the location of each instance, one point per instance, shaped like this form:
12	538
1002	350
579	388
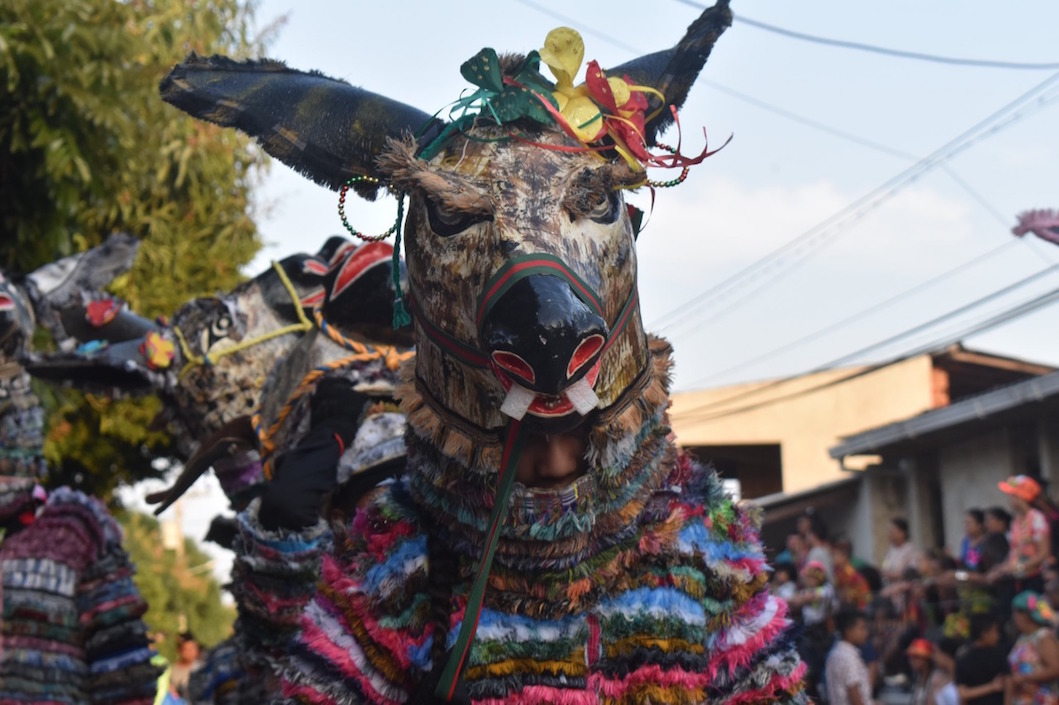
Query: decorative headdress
1035	606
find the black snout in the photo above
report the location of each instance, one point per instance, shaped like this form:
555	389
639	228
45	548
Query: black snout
118	366
80	324
542	335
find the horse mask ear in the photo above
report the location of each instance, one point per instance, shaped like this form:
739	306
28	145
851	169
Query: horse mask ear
673	71
322	127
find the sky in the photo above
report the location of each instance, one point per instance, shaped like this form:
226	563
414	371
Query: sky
777	178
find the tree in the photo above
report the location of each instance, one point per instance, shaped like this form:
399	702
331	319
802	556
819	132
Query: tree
180	588
87	148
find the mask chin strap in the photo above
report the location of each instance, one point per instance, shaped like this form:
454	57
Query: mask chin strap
514	443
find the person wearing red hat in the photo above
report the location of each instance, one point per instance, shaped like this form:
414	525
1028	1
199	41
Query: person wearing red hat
1030	540
927	680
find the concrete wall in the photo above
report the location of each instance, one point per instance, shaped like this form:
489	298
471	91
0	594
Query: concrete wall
887	498
805	426
1048	450
970	470
852	520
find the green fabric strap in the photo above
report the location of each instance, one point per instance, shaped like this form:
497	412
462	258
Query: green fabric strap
513	446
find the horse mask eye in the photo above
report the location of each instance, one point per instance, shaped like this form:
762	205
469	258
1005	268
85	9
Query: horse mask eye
607	210
220	327
447	222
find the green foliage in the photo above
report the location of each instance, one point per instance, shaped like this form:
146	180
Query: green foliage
175	586
96	443
87	148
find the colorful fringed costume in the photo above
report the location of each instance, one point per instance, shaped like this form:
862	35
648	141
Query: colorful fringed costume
649	586
72	627
72	631
619	573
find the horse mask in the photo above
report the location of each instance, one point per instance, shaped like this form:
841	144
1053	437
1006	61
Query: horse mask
521	276
520	250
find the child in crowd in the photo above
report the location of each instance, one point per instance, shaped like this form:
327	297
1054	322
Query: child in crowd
847	678
783	583
982	671
850	586
945	664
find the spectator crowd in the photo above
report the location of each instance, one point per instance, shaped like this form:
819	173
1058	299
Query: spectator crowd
927	627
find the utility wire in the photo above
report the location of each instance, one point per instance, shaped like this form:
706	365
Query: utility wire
900	53
849	357
937	279
802	246
1006	316
777	110
835	132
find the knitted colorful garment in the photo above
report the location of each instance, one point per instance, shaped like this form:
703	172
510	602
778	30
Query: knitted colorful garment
72	627
72	630
21	429
641	581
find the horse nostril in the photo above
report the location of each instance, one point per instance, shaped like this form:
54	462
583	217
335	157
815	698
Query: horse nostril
510	362
585	351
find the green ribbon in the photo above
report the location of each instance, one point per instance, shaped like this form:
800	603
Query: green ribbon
400	313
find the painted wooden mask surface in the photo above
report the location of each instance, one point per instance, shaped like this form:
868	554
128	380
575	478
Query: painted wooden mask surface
520	250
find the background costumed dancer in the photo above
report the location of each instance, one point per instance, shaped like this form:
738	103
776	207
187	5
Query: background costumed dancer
72	630
304	333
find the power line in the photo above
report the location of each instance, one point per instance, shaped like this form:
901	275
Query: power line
840	134
937	279
914	330
809	122
900	53
777	110
1006	316
802	246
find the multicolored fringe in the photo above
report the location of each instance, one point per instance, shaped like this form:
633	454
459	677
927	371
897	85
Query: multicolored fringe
218	680
21	429
664	599
274	576
72	628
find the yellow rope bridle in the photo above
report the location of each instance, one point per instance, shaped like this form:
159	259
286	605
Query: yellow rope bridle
303	325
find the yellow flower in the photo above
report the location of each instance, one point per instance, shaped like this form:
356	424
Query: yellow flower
563	52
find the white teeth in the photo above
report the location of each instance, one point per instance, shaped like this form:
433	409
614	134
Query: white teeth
517	401
582	396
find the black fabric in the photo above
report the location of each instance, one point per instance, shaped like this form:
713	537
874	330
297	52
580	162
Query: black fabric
980	665
305	475
992	551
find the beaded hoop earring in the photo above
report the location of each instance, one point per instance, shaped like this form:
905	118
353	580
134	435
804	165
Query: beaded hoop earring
342	211
672	182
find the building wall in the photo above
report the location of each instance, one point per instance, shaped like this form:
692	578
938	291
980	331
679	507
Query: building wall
970	470
1048	450
807	425
887	498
